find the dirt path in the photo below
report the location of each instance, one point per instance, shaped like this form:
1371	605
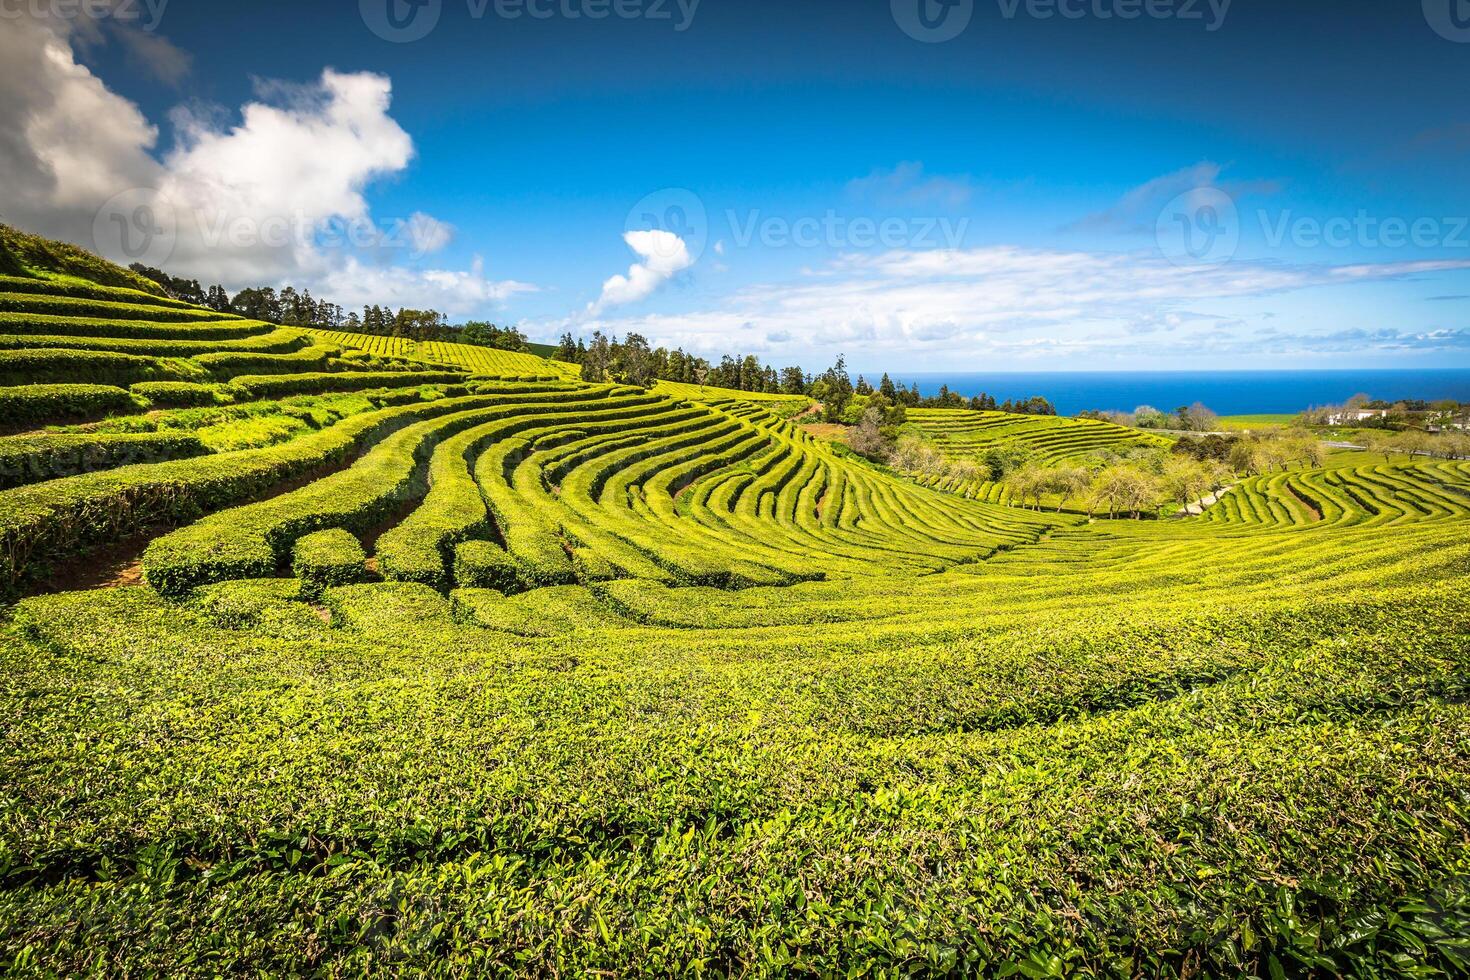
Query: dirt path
1200	505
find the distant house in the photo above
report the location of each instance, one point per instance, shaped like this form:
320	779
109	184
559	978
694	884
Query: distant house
1349	416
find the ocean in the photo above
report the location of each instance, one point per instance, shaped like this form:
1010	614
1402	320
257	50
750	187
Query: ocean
1226	392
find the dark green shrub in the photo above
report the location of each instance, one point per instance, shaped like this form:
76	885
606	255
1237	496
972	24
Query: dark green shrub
52	455
34	404
55	366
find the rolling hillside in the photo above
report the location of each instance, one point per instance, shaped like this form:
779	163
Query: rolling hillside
429	658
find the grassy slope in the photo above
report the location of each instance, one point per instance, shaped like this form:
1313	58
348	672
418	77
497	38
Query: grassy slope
1235	745
23	254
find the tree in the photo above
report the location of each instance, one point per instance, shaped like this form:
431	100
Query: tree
632	361
867	439
1068	483
1185	480
1027	484
887	389
482	334
1148	417
1382	442
567	349
837	389
1124	488
1197	418
597	358
793	381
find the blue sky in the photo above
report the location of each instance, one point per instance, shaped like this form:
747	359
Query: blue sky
719	175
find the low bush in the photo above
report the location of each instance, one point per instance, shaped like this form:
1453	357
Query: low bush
177	394
328	558
52	455
104	309
59	366
26	324
34	404
43	524
223	364
485	565
277	386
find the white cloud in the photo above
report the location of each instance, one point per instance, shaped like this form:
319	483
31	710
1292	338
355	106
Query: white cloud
1138	210
908	185
427	233
974	305
664	255
275	196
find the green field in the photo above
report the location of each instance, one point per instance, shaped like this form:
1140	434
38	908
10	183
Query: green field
337	655
1241	423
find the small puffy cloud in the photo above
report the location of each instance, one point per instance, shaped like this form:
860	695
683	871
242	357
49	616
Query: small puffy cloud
663	254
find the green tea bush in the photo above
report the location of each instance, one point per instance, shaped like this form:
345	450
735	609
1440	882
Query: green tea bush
225	363
46	366
325	559
79	512
278	342
51	456
32	404
485	565
28	324
177	394
104	309
277	386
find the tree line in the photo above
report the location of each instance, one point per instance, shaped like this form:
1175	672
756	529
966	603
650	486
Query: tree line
1185	418
634	361
293	308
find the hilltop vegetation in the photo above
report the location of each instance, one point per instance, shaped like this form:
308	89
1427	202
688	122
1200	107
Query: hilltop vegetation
429	657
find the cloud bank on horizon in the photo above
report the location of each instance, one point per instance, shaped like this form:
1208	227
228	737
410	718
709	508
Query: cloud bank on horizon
280	192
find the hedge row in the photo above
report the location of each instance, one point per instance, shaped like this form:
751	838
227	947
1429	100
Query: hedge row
282	341
177	394
224	364
278	386
79	512
86	290
74	326
52	455
33	404
77	306
485	565
51	366
252	541
420	549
